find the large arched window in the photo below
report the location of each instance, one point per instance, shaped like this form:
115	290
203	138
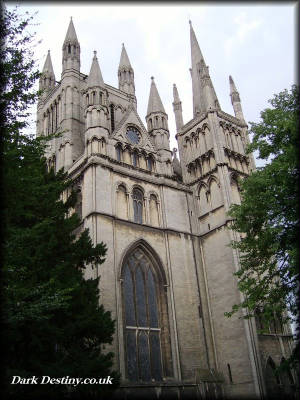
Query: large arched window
147	345
138	199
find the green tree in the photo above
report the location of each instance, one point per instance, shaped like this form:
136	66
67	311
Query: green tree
268	217
53	323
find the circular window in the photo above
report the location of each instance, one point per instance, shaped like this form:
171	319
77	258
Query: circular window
133	134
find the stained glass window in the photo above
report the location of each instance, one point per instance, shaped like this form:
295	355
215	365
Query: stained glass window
141	319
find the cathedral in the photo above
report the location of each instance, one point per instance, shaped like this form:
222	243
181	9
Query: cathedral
168	274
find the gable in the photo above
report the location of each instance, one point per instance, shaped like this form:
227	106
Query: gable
131	118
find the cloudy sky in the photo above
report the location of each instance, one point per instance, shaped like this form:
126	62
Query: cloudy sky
254	43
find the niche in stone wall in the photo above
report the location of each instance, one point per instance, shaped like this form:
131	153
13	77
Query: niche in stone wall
203	201
235	193
218	212
208	139
215	194
122	206
153	210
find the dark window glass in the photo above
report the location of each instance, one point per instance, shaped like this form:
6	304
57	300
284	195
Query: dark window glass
112	117
118	152
142	328
129	300
138	206
152	299
140	298
150	164
144	359
131	355
69	48
133	135
134	159
155	356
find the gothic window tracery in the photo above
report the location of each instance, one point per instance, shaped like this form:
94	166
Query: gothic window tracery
138	199
144	303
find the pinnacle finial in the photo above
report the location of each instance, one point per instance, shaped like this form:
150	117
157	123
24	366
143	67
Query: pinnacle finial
190	22
152	78
95	53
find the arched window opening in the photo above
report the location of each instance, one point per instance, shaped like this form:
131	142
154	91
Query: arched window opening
101	98
134	159
112	117
69	49
56	116
94	98
87	100
138	199
122	209
150	164
119	153
150	123
153	210
215	194
147	352
236	198
203	201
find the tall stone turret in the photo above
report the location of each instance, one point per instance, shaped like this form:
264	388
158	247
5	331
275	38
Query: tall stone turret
235	100
177	109
126	73
204	95
46	83
47	79
72	141
71	50
157	119
96	111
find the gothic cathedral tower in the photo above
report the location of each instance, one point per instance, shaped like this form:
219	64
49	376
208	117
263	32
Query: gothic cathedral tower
168	276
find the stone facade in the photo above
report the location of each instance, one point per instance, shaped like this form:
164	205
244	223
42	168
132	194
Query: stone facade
168	275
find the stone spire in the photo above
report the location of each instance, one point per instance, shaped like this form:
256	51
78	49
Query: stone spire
154	103
235	100
47	80
124	59
204	95
95	76
126	73
71	33
177	108
157	119
71	49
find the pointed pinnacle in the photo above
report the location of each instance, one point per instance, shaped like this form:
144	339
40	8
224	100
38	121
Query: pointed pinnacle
95	77
71	33
232	85
175	94
124	59
48	68
154	103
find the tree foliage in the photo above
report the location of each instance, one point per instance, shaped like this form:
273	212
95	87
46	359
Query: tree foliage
52	321
268	217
